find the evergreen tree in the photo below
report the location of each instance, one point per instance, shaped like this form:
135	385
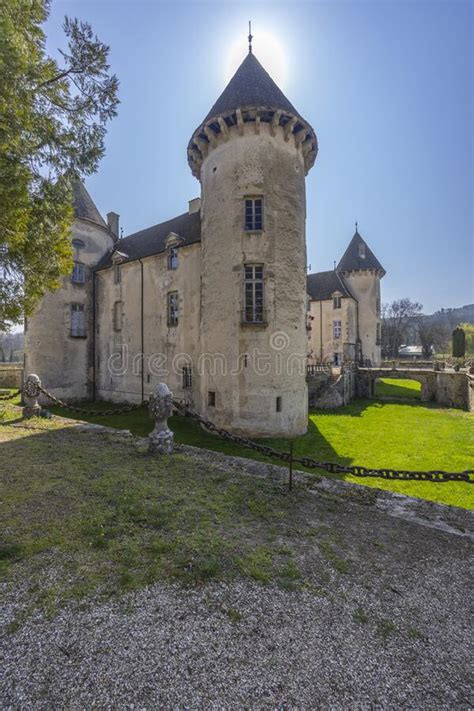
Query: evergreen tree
53	118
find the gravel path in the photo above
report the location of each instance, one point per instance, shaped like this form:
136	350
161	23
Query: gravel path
359	644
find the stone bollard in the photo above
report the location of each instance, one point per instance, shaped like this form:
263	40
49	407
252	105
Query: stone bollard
161	440
31	393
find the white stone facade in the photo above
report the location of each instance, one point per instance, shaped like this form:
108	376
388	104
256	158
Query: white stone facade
213	303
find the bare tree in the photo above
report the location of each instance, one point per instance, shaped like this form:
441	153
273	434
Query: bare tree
396	318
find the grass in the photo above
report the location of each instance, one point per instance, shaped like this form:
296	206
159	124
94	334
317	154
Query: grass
111	517
398	388
375	433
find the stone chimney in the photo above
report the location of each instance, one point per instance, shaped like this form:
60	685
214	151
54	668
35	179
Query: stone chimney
113	223
194	205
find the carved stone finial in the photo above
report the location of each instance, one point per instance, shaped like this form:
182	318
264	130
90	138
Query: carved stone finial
160	407
31	393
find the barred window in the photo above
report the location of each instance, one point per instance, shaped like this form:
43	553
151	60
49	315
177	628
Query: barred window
187	375
253	214
337	302
253	295
336	329
172	258
78	273
78	322
173	308
118	316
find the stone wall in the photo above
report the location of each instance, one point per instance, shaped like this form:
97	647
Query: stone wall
11	375
321	342
62	361
267	397
327	393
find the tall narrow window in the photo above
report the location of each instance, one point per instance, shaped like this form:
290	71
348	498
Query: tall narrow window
211	398
378	335
78	273
173	308
253	214
278	403
187	376
337	301
118	316
78	322
172	258
117	273
337	358
253	295
336	329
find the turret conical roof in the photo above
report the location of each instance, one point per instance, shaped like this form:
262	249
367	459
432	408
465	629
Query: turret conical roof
250	86
251	96
84	207
358	257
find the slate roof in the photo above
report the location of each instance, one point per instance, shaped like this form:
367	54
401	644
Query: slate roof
250	86
152	240
352	261
84	207
322	285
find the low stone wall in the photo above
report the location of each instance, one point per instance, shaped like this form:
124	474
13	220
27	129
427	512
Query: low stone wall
11	375
329	394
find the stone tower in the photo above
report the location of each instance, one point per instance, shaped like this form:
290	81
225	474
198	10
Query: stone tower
362	273
59	337
251	154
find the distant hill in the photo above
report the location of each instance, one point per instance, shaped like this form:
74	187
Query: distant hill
453	317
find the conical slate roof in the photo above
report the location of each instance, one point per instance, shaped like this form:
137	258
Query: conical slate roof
84	207
251	96
359	258
250	86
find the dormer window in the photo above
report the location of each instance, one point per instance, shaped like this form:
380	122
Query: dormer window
337	302
172	258
253	214
361	250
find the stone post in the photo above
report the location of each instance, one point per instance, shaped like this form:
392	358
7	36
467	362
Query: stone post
160	407
31	393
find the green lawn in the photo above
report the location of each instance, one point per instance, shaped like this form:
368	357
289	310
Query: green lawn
374	433
398	388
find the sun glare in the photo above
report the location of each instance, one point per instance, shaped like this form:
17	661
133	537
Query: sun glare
269	51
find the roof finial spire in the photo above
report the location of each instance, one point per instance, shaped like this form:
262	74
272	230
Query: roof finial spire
356	226
250	37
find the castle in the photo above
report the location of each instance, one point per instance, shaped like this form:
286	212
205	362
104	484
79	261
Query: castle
216	302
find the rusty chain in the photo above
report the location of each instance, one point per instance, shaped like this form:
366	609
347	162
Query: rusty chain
437	476
84	411
11	396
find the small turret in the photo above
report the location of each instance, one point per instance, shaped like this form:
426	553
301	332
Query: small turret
362	272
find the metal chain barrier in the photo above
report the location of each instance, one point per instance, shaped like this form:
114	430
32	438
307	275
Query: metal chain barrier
4	398
437	476
84	411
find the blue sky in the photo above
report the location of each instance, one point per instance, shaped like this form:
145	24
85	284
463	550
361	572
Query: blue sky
387	85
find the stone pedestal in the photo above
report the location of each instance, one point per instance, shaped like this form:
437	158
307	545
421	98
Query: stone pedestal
161	440
31	392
